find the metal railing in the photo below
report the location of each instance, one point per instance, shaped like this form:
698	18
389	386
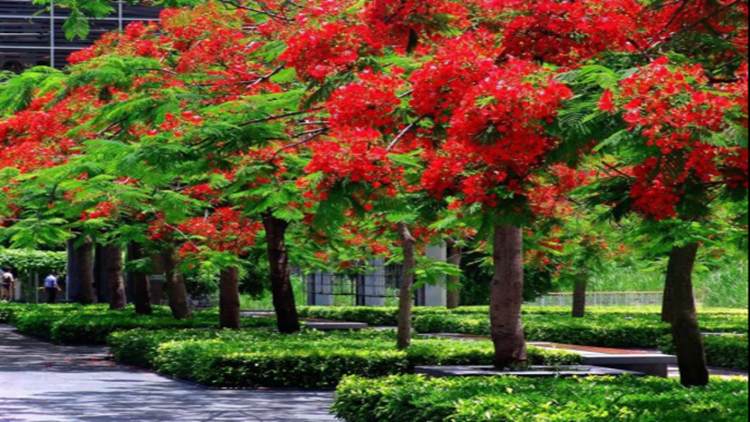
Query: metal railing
31	36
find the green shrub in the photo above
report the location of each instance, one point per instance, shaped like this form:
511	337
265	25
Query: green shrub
37	323
508	399
722	351
92	325
10	311
307	360
139	347
604	330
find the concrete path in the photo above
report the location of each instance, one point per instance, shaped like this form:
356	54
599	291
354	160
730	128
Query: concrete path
44	382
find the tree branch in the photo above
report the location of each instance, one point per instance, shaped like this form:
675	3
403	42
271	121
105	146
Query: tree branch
404	133
313	135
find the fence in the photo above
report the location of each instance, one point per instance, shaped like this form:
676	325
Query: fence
604	299
365	284
32	36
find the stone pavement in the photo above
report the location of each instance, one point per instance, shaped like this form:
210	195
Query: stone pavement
44	382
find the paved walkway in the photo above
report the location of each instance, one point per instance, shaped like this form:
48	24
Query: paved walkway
44	382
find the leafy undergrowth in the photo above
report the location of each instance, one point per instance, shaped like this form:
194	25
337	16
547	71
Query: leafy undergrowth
92	325
727	351
506	399
310	360
606	327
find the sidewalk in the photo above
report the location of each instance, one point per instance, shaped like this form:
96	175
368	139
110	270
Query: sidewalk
44	382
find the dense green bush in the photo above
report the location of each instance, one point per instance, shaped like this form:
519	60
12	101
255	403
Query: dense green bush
92	325
507	399
722	351
27	261
308	360
9	311
388	316
604	330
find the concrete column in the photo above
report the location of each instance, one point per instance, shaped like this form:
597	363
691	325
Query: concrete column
374	284
434	295
320	289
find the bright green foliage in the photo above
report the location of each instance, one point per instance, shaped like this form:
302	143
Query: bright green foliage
727	351
505	399
308	360
27	261
601	330
80	11
78	325
386	316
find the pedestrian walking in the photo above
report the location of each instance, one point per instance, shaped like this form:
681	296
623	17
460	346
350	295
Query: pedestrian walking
52	287
7	284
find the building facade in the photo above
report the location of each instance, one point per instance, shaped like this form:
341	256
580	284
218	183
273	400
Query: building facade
31	36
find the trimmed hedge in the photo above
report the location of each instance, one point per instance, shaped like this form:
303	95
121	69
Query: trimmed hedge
603	330
79	325
309	360
722	351
508	399
388	316
9	311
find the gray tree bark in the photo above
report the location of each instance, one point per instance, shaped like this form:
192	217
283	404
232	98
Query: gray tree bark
176	288
454	257
287	316
688	339
506	298
113	268
229	308
406	297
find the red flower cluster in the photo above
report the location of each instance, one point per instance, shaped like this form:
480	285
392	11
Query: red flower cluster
550	198
35	138
399	19
678	111
225	230
497	136
357	158
103	210
203	192
655	197
568	32
369	103
674	106
321	52
459	64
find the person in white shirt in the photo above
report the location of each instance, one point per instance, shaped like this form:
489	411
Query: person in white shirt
52	287
7	285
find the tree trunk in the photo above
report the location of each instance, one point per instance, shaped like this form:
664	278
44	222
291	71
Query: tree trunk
115	278
141	283
85	265
579	297
229	308
667	311
281	282
176	289
691	352
454	282
101	282
506	298
406	299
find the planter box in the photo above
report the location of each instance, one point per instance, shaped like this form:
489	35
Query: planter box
533	372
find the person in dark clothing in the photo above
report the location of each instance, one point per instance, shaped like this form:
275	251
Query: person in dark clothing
52	287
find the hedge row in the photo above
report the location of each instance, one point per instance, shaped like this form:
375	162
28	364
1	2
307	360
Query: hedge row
388	316
93	325
603	330
309	360
505	399
722	351
8	311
